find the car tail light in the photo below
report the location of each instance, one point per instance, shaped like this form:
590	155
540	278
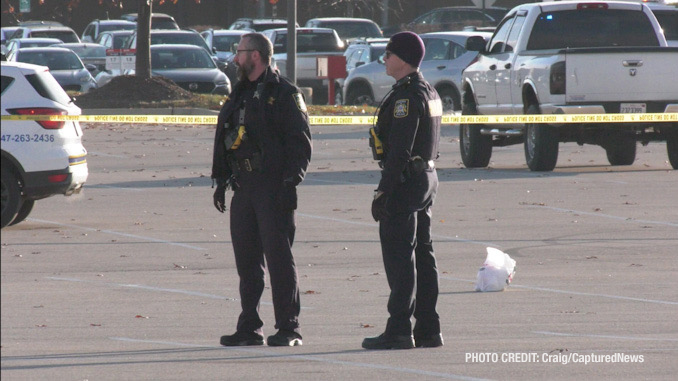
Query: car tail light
557	78
57	178
581	6
46	124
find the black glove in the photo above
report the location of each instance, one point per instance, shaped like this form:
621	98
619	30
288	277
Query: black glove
287	197
379	211
220	198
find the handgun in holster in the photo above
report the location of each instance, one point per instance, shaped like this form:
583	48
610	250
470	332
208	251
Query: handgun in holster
235	136
376	145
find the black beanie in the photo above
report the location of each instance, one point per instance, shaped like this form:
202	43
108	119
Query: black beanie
408	46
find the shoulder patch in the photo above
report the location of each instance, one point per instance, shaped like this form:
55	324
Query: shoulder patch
435	107
299	100
401	108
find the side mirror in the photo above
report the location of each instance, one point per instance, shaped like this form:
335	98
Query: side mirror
475	44
90	67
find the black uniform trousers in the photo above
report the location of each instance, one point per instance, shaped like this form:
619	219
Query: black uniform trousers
410	264
262	237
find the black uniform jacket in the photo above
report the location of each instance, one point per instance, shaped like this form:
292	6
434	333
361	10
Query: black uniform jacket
282	129
408	126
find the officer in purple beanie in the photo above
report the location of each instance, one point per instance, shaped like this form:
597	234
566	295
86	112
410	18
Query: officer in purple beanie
405	142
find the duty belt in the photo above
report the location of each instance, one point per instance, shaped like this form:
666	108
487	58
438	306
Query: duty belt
245	165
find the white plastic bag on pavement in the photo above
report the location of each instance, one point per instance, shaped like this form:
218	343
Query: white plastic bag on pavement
497	271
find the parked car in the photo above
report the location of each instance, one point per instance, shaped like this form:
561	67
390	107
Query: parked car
348	28
96	27
18	43
258	25
39	158
158	20
450	19
311	44
190	67
222	41
159	37
6	32
63	33
64	64
444	60
40	22
116	39
89	53
359	52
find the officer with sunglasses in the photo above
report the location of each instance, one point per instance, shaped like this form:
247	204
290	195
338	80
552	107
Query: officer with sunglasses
405	141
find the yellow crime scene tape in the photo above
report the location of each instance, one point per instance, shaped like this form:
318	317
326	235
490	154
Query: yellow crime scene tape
366	120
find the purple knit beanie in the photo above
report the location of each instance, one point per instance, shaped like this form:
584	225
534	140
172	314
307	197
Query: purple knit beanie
408	46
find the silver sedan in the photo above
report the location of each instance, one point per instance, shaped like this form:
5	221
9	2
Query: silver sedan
443	63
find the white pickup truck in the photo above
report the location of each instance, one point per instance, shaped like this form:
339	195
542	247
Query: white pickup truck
571	57
311	44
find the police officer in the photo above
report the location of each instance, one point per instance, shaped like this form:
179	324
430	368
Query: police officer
408	129
262	149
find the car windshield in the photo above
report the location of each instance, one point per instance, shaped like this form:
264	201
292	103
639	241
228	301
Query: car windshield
181	59
105	28
308	42
177	38
352	30
260	27
591	28
53	60
224	43
36	44
89	51
63	35
163	23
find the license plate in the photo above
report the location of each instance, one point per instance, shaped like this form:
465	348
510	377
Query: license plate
632	108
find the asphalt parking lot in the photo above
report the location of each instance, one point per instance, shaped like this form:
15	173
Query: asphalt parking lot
134	279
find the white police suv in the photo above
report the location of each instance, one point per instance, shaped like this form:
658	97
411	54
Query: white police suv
39	158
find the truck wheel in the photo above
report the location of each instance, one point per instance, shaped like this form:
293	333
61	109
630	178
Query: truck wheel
360	96
672	146
450	99
11	196
622	151
541	144
476	148
24	211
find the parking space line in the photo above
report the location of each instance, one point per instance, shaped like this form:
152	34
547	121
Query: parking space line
143	238
544	289
309	357
609	216
604	336
156	289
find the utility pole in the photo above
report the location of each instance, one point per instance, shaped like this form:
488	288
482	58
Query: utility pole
292	40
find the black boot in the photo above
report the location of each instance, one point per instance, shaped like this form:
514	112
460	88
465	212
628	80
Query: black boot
385	341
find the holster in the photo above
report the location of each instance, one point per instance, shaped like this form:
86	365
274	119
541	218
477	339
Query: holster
376	145
234	137
417	165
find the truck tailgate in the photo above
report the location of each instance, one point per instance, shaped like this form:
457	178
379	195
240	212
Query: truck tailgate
608	74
